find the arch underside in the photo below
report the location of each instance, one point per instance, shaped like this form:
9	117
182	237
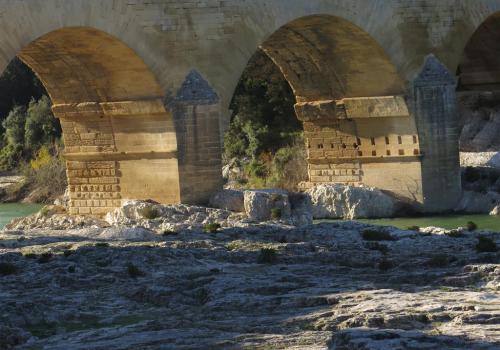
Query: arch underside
120	141
479	67
358	129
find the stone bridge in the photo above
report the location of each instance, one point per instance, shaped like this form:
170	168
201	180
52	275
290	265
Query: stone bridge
142	87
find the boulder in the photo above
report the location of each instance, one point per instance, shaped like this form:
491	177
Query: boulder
232	200
495	211
264	205
334	201
301	209
477	202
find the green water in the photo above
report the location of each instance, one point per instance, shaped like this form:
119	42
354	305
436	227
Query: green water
16	210
484	222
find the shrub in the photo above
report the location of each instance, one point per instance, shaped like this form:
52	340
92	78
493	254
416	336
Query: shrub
134	271
169	233
276	213
232	245
46	172
454	234
385	265
376	235
31	256
267	256
102	245
471	226
7	269
486	245
414	228
45	258
45	211
149	212
212	227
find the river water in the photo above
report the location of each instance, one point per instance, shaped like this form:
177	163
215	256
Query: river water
486	222
15	210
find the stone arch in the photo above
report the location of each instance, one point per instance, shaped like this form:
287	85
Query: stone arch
350	98
120	140
479	66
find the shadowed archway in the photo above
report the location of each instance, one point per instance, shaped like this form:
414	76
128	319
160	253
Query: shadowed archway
350	98
120	140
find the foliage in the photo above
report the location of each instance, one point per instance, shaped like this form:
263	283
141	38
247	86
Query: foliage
414	228
19	85
267	256
376	235
471	226
454	233
46	172
276	213
149	212
211	227
486	245
41	126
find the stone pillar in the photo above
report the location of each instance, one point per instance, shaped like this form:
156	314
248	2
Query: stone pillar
368	141
116	151
197	111
433	101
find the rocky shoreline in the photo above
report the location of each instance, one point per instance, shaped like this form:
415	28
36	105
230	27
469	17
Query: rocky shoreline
174	281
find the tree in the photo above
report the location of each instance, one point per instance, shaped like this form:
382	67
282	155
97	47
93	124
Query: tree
41	126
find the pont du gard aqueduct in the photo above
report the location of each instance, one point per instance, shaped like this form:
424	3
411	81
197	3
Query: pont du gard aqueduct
142	88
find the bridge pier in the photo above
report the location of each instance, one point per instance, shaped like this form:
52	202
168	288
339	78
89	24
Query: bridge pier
116	151
434	105
370	140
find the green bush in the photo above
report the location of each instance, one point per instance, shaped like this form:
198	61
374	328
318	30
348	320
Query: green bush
7	269
212	227
133	271
414	228
454	234
376	235
167	233
267	256
149	212
102	245
486	245
276	213
471	226
41	127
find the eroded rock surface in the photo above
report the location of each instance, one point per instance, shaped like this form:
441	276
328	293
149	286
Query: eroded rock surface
348	202
327	286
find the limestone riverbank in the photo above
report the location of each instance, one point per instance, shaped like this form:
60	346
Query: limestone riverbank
146	285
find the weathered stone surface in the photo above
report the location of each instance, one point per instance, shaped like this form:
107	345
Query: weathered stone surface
232	200
477	202
348	202
495	211
328	288
259	205
480	159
